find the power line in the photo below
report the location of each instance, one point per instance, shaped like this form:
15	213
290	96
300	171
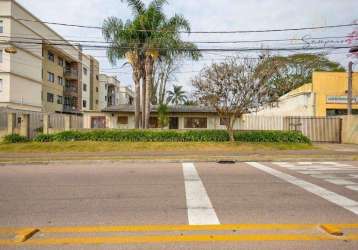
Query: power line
101	47
200	42
200	32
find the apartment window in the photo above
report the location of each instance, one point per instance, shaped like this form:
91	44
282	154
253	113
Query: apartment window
59	99
96	101
1	85
49	97
97	77
1	26
50	77
60	80
84	103
60	62
50	56
84	71
1	56
97	89
123	120
195	122
84	87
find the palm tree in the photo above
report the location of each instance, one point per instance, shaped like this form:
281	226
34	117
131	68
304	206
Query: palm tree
149	37
124	43
177	95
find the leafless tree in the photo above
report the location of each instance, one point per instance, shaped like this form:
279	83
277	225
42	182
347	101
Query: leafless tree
164	73
233	87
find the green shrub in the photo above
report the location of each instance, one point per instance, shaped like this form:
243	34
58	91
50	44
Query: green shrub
15	138
44	138
176	136
271	136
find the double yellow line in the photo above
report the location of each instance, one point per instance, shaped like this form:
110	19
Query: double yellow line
325	232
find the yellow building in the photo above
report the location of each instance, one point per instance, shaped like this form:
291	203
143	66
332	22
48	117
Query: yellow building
325	96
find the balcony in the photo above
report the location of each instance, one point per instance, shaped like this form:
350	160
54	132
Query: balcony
69	109
71	74
71	91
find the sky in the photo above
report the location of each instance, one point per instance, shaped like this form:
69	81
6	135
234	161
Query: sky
207	15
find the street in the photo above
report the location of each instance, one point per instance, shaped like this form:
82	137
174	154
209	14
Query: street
192	205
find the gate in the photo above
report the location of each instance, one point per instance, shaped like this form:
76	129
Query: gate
318	129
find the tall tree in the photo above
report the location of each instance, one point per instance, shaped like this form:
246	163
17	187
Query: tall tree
233	88
177	95
125	42
149	37
162	40
295	70
163	74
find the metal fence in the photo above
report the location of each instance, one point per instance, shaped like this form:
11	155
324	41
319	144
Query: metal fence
56	121
36	121
76	122
318	129
254	122
3	120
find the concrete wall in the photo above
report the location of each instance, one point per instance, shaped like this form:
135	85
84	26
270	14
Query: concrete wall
94	82
350	129
52	87
86	80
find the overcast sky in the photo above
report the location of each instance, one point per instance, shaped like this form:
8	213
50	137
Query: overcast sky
207	15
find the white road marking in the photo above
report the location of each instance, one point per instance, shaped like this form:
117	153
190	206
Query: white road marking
337	199
340	182
200	209
354	187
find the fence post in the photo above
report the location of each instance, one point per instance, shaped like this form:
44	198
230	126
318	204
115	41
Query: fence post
25	125
67	122
46	123
11	119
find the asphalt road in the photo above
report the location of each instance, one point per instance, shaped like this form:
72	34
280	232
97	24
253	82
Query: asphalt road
169	205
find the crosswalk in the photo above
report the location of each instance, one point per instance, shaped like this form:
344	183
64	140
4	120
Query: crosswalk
341	174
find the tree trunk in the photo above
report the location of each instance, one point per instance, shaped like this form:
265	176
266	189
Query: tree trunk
149	63
143	98
136	78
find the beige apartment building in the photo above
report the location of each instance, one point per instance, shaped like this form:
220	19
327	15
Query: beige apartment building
112	93
46	73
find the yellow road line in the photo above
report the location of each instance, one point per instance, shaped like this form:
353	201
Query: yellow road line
177	238
157	228
153	228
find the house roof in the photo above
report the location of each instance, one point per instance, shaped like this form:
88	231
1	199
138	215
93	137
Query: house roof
171	109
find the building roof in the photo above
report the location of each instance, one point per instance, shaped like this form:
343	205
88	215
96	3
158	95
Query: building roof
171	109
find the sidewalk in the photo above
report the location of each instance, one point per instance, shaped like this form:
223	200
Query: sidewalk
321	152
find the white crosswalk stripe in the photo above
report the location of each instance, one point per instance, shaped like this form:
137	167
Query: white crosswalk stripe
341	174
330	196
200	210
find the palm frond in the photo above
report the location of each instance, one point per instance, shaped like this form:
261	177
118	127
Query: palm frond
137	6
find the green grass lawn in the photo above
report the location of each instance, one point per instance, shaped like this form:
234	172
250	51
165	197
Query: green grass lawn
193	147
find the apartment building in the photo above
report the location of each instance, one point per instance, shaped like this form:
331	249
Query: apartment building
126	95
109	87
46	73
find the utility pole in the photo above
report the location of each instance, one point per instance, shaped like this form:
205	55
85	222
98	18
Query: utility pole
350	80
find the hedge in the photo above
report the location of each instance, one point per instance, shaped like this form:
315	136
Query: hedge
175	136
15	138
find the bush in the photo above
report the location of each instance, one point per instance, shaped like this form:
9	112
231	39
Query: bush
175	136
44	138
15	138
271	136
